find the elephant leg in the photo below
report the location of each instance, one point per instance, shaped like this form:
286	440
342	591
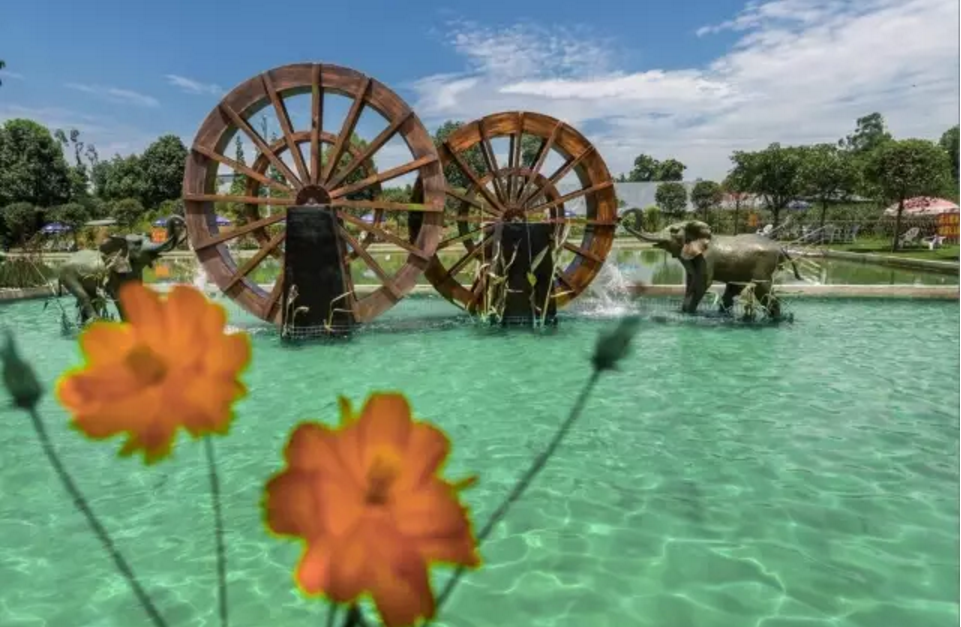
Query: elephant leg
768	300
731	291
84	301
697	284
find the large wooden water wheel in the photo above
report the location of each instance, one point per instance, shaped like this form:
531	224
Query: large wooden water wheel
284	175
515	189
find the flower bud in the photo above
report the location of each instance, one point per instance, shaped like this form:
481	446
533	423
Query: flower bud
18	376
612	346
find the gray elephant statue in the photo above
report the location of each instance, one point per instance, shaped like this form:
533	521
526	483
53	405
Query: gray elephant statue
736	260
94	276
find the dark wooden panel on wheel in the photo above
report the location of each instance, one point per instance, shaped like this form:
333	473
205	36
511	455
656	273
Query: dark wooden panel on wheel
314	276
529	240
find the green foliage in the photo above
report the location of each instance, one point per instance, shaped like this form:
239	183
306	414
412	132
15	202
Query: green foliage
907	168
127	212
124	179
172	208
238	185
706	195
774	173
652	218
870	134
72	214
949	143
32	166
472	157
828	175
21	272
648	169
19	222
671	197
3	64
162	165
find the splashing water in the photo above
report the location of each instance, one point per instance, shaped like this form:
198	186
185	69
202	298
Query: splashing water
609	293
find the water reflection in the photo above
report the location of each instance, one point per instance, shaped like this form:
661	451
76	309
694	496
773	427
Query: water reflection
650	266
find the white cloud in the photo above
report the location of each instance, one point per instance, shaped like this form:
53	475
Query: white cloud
191	86
801	71
115	94
8	74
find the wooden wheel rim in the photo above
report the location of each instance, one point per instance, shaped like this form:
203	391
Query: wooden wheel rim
580	157
269	89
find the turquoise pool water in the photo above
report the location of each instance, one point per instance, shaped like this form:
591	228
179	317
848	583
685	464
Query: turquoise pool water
798	476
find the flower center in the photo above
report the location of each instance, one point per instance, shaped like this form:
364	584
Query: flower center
147	366
380	477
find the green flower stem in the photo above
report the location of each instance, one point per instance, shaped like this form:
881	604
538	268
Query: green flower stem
332	612
98	529
354	618
218	530
524	481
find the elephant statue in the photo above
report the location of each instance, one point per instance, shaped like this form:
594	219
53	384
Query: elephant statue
737	260
94	276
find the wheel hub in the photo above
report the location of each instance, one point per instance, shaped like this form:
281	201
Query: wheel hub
313	195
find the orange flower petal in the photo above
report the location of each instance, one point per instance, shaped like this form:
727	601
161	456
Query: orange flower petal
460	550
230	355
80	390
351	564
401	589
314	447
385	424
187	338
342	505
313	572
427	450
104	343
145	312
291	506
154	439
433	510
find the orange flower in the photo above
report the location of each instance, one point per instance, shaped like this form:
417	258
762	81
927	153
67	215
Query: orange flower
374	513
170	365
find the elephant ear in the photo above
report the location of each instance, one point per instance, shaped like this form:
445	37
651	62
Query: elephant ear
696	241
117	252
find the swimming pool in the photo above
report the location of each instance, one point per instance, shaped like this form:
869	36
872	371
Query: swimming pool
790	476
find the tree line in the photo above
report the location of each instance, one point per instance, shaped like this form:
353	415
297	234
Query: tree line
867	164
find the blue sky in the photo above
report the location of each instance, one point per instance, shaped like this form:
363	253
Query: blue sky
693	80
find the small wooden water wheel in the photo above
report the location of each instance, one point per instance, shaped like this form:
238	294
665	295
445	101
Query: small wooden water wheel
316	176
518	191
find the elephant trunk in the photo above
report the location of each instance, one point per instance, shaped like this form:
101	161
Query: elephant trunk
176	226
636	232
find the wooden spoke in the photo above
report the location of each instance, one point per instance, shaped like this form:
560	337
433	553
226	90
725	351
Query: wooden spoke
514	161
571	196
490	159
472	177
566	279
241	168
347	130
265	150
381	177
562	171
459	238
316	122
273	298
370	261
474	252
385	236
240	230
453	193
545	150
583	252
255	260
246	200
375	145
283	117
386	205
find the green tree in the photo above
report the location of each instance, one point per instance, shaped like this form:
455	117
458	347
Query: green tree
238	184
32	166
124	179
127	212
670	170
949	143
903	169
738	189
828	175
871	133
473	158
705	196
163	164
19	222
671	197
3	64
773	173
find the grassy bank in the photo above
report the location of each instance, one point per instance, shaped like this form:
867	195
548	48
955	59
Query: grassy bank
883	247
